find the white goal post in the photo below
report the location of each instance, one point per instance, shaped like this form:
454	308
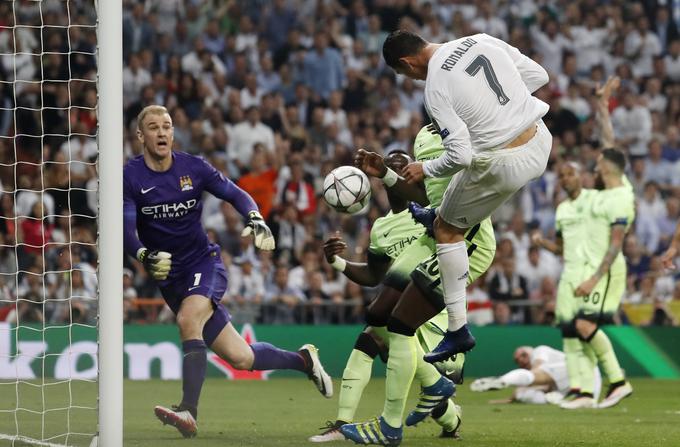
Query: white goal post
110	225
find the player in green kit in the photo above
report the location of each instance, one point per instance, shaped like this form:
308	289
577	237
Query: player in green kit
612	211
570	223
412	303
389	238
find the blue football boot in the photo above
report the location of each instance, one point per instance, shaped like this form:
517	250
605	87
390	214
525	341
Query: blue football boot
424	216
430	398
453	343
374	432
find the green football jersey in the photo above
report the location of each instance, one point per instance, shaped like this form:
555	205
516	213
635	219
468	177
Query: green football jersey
608	207
571	221
392	233
428	146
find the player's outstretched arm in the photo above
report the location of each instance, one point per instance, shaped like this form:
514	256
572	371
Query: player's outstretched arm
368	274
668	257
602	95
223	188
373	165
555	246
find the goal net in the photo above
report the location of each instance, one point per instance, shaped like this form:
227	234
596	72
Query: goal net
48	222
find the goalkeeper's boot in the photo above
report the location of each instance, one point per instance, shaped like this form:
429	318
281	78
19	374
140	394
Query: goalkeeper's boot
315	371
616	393
453	343
487	384
179	417
424	216
331	432
374	432
430	397
453	368
449	417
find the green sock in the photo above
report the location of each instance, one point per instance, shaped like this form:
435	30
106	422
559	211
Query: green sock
606	357
354	379
449	419
426	373
573	351
401	368
587	364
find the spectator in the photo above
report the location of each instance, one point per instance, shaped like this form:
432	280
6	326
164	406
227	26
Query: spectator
245	135
323	71
282	299
632	125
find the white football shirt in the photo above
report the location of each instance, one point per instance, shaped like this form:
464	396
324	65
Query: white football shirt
546	355
478	94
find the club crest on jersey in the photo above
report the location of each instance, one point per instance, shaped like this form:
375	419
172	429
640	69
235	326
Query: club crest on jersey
185	183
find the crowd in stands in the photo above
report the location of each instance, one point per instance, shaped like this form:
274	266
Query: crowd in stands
275	94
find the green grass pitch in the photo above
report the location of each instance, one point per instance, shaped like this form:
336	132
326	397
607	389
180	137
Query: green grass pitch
285	412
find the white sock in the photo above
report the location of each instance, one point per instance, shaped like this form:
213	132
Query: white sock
453	269
518	377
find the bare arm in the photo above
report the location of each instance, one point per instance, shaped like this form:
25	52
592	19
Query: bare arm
672	252
554	247
373	165
618	233
602	95
367	274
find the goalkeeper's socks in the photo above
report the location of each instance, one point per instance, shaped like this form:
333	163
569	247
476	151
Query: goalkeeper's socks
604	351
354	379
518	377
401	367
194	364
268	356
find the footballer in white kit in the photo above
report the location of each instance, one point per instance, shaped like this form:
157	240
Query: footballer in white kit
542	377
478	95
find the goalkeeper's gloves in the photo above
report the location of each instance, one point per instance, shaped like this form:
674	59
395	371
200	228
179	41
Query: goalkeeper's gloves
264	239
156	262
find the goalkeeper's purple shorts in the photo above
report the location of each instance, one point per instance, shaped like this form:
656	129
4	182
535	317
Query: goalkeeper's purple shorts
207	278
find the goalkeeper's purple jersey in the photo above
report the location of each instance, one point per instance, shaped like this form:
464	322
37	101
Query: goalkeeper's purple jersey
164	208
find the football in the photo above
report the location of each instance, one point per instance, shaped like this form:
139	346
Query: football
347	190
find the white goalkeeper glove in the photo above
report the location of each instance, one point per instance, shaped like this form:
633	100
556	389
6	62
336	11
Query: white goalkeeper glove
156	262
264	239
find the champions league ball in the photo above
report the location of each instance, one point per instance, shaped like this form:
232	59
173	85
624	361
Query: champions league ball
347	190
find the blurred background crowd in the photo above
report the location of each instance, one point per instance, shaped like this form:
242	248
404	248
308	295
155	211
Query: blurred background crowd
275	94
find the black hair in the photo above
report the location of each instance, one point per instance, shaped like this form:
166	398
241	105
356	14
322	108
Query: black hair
615	156
401	43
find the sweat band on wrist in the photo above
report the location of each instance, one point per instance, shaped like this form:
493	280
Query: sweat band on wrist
339	264
390	178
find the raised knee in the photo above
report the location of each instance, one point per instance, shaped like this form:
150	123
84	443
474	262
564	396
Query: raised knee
445	233
585	329
240	362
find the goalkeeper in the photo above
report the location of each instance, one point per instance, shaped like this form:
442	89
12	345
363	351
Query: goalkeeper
162	207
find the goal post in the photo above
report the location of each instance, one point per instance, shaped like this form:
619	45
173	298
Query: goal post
110	225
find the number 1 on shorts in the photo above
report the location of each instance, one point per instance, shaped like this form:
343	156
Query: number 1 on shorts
197	278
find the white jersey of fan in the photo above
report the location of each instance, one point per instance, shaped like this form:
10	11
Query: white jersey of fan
478	94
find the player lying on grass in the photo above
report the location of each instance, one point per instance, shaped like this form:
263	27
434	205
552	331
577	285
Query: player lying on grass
593	224
478	94
409	300
162	194
389	236
542	377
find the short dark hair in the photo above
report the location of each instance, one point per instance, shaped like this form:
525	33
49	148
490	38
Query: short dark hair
615	156
401	43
